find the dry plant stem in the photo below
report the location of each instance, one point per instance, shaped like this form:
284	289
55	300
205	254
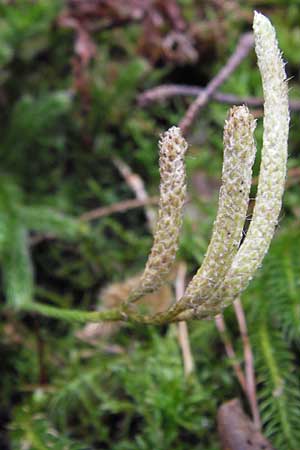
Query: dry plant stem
137	185
221	326
244	45
249	363
97	213
165	91
123	206
172	198
184	342
182	328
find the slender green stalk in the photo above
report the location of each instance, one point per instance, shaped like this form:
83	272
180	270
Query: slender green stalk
73	315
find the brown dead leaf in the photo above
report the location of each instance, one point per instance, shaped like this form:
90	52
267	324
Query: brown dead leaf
112	296
237	431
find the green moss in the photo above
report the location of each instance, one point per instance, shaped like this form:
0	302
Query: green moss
56	155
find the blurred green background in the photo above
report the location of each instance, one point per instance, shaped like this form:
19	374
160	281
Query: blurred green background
70	76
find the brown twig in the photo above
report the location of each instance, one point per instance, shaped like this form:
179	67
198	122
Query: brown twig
244	45
137	185
135	182
221	326
165	91
183	334
97	213
247	379
249	363
123	206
